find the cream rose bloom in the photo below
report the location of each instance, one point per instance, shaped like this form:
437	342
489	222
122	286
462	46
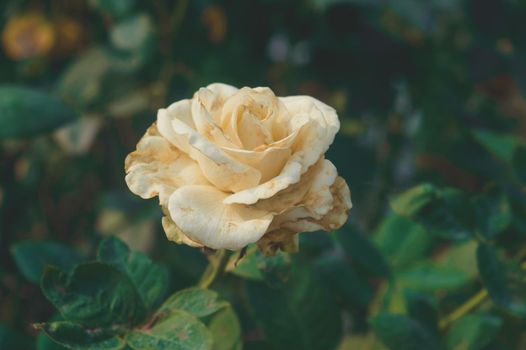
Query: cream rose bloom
237	166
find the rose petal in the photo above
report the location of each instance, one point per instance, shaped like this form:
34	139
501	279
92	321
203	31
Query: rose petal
300	219
269	162
181	110
313	141
223	171
251	131
158	168
200	213
254	117
205	104
222	91
174	233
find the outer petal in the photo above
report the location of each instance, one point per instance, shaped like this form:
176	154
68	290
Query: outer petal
174	233
200	213
300	219
181	110
158	168
313	141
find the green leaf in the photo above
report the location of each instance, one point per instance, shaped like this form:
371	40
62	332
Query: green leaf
179	331
197	301
493	214
247	267
430	277
443	212
74	336
46	343
226	330
499	145
402	241
410	202
504	280
473	332
133	33
31	257
149	278
363	252
297	315
460	256
348	286
94	294
10	339
115	8
26	112
400	332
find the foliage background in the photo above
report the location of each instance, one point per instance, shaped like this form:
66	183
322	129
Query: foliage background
430	95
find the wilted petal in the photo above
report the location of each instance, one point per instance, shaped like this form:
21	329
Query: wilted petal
300	219
280	239
200	213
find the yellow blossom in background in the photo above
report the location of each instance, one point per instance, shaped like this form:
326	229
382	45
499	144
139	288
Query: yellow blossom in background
28	35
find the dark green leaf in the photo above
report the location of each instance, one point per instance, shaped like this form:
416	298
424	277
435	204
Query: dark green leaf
31	257
504	280
400	332
197	301
402	241
443	212
226	330
298	315
10	339
46	343
349	287
362	251
499	145
493	214
178	331
74	336
25	112
149	278
423	308
95	294
473	332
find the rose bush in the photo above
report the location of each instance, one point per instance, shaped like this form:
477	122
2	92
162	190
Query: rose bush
237	166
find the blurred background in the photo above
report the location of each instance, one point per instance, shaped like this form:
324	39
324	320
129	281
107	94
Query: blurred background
425	90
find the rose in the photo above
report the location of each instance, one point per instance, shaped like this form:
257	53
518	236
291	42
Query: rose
236	166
